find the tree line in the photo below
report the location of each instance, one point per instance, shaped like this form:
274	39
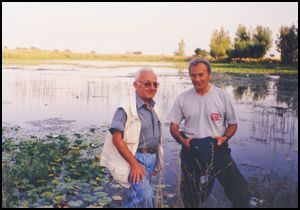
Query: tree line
252	44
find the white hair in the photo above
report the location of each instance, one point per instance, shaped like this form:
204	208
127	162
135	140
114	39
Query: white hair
139	72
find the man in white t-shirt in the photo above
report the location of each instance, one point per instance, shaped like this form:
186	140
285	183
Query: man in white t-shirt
209	122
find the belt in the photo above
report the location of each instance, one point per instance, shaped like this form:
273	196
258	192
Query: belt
151	150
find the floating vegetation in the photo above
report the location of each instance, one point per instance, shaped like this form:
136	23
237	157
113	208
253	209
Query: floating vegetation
54	171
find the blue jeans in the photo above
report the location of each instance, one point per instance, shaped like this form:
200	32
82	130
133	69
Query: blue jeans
141	194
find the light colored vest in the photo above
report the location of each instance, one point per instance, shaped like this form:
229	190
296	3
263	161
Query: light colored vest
110	156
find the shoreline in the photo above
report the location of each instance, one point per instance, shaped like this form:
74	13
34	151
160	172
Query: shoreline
233	67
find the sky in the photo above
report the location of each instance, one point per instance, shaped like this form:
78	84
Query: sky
152	28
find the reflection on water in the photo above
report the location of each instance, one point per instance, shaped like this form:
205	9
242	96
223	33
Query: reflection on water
266	141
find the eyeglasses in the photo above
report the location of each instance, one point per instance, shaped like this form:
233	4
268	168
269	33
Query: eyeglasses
148	84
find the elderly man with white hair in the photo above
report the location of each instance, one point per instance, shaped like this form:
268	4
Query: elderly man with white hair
133	151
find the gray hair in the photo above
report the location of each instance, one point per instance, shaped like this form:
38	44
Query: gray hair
142	70
196	61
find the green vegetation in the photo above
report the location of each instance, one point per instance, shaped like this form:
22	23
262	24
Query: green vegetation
51	172
37	56
254	45
33	56
287	44
220	43
249	44
253	68
201	53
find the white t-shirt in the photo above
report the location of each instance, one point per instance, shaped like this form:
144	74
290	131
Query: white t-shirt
204	115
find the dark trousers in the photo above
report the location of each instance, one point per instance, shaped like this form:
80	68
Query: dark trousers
201	165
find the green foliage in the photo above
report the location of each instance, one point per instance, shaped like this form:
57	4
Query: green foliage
40	170
251	45
242	43
220	43
287	44
261	42
34	56
201	53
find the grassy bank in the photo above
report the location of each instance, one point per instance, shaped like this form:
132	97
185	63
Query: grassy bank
255	68
24	56
10	56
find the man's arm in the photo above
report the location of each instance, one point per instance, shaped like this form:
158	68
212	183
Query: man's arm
137	172
174	129
229	132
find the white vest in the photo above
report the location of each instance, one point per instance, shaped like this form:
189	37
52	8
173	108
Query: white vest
112	159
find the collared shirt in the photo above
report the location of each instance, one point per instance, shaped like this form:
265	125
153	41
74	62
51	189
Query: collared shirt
150	130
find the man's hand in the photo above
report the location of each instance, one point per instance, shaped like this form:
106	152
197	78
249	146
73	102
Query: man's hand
174	129
186	143
220	139
137	173
229	132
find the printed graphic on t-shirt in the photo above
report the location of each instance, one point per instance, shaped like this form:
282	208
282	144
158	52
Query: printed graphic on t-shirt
215	116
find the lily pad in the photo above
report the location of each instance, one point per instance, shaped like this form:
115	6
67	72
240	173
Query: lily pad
97	188
75	204
58	198
104	201
100	194
90	199
47	194
94	206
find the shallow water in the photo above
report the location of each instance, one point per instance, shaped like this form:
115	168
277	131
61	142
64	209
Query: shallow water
66	97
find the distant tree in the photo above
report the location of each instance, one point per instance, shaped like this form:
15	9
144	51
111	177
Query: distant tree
287	44
242	42
137	53
220	43
33	48
261	42
201	53
67	50
251	45
181	50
